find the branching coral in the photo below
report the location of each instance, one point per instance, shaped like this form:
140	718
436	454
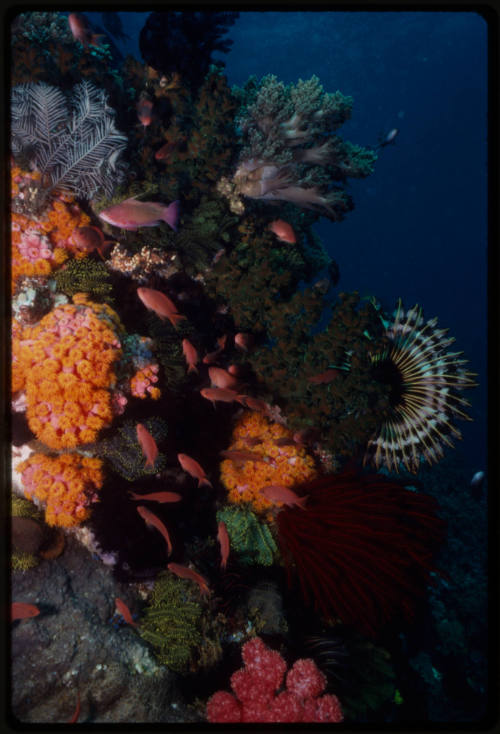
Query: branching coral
66	364
290	152
65	485
256	697
424	380
286	465
363	550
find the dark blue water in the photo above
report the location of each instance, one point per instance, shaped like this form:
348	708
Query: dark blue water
419	229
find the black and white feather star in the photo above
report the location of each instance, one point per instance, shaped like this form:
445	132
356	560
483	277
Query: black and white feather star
424	381
75	145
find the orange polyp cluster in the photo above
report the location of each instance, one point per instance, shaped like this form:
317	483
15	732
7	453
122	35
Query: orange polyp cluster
142	383
288	465
39	246
65	364
65	485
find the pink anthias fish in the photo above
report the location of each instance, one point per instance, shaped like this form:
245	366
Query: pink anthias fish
124	611
242	455
187	573
243	341
161	304
223	538
131	214
219	394
153	521
148	444
194	469
81	30
283	231
190	355
279	493
164	153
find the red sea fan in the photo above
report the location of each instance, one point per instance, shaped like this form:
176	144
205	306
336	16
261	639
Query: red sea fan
363	548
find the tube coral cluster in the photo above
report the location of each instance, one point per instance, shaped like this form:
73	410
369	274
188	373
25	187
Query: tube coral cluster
286	464
66	363
66	485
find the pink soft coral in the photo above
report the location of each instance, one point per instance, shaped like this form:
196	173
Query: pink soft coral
255	689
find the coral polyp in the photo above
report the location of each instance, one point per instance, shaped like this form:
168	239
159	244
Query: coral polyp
425	381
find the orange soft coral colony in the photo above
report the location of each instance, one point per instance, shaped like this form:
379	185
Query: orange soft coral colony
286	464
65	485
67	364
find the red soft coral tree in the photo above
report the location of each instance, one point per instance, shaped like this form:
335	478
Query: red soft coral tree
255	689
363	549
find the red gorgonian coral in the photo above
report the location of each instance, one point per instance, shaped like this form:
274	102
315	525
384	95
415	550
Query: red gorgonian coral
363	548
256	697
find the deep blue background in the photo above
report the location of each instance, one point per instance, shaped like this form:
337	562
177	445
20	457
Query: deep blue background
419	229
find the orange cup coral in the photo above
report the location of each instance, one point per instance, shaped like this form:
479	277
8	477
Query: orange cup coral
65	364
65	485
286	463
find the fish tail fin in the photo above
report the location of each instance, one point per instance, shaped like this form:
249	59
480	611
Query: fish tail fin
192	368
241	399
302	501
204	482
171	214
175	318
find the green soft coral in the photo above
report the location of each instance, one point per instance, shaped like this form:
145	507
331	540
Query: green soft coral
252	540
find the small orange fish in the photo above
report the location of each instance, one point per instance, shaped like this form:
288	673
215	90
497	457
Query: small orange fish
145	111
279	493
243	341
223	538
324	377
218	393
76	714
160	304
187	573
190	354
81	30
88	239
234	369
240	455
164	153
151	520
283	231
222	378
254	404
193	469
21	610
157	496
148	444
124	611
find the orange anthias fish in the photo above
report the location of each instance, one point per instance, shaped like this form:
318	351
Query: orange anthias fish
20	610
81	30
76	713
145	111
260	406
187	573
223	538
243	341
148	444
283	231
164	153
88	239
157	496
222	378
131	214
193	469
241	455
124	611
190	355
218	393
324	377
160	304
279	493
151	520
